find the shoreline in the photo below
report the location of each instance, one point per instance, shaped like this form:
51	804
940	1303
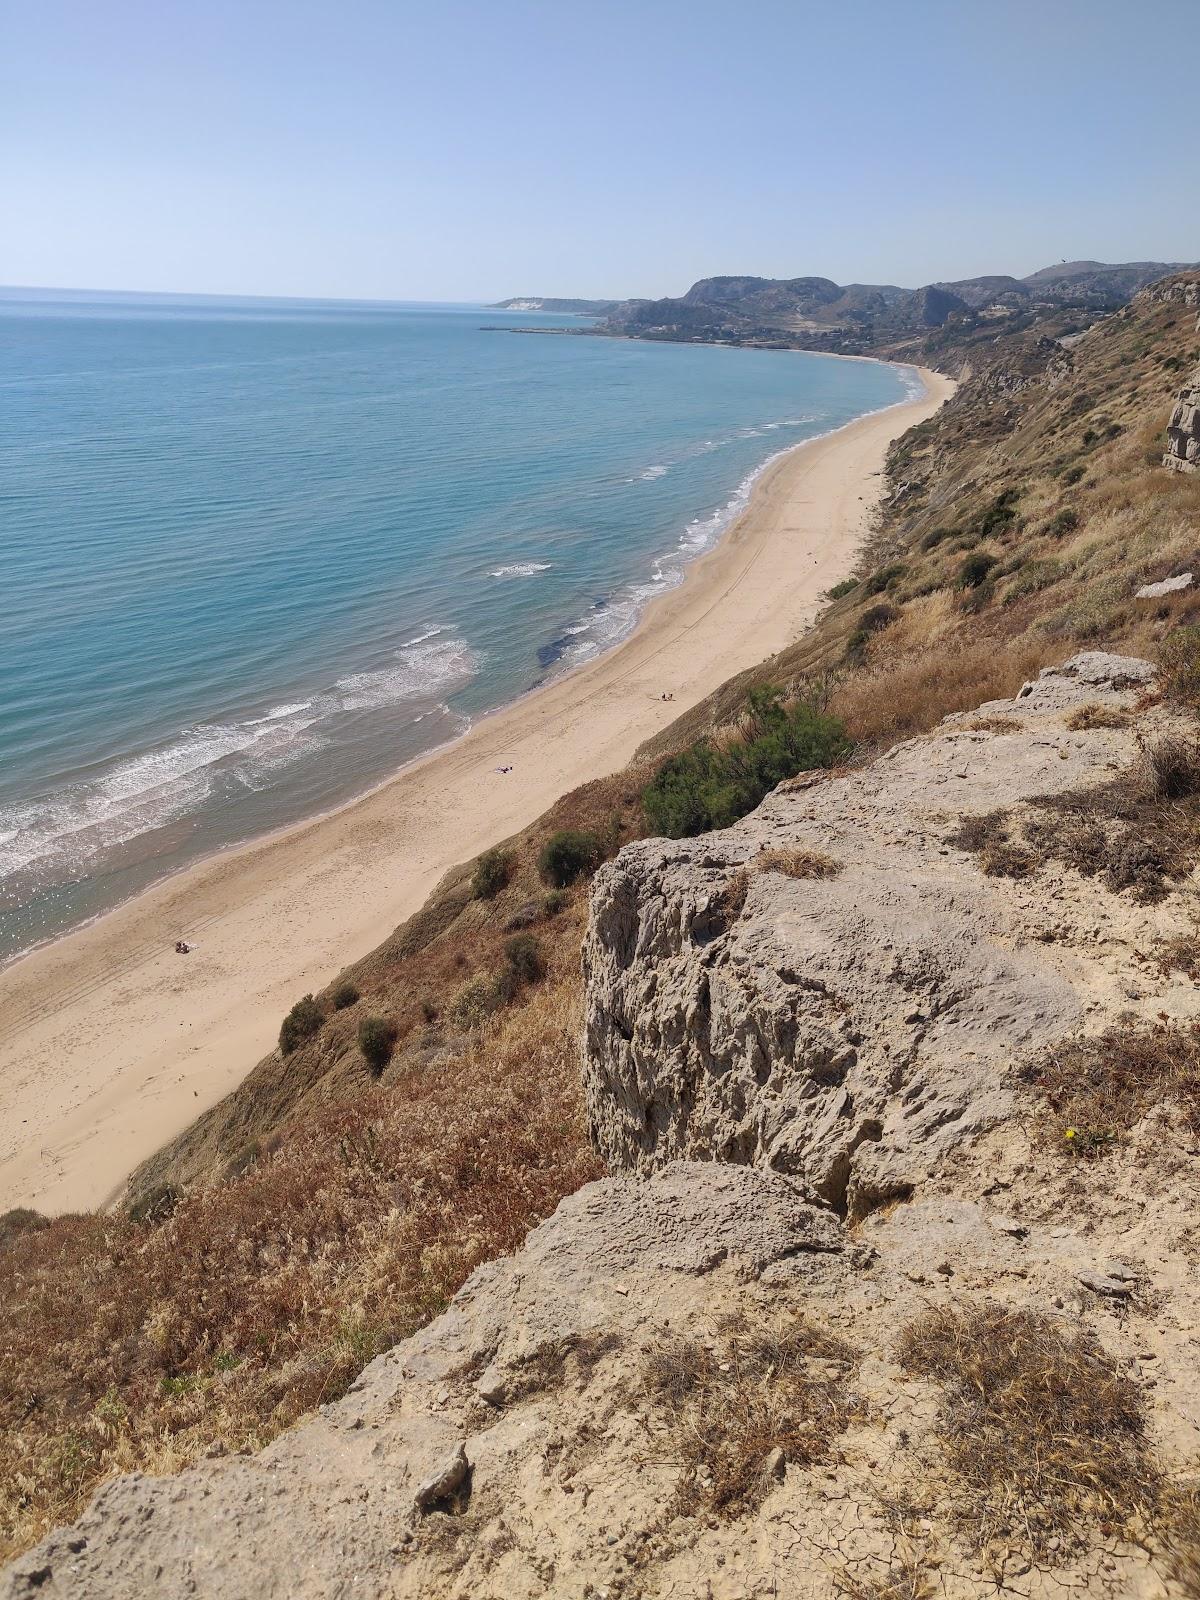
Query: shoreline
110	1044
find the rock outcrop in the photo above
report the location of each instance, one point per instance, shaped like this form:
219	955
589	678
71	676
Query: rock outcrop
851	1028
1183	429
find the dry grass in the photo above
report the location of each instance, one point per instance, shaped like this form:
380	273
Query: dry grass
1085	718
987	837
797	863
1096	1090
138	1346
573	1359
1177	1526
1140	831
1180	954
1171	770
905	1577
756	1388
911	693
1044	1434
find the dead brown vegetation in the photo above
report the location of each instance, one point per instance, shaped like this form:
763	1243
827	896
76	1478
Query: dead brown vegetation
797	863
767	1391
911	693
1096	1090
1044	1434
138	1345
905	1577
1140	831
1093	715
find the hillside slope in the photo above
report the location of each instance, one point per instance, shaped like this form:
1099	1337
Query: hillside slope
337	1207
904	1310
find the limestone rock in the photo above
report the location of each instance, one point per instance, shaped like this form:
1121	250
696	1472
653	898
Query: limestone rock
1183	426
847	1031
1183	430
445	1479
1154	591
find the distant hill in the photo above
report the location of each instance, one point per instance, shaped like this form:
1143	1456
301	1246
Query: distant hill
744	307
863	318
540	302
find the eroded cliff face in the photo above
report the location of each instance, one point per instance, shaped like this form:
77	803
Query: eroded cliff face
852	1025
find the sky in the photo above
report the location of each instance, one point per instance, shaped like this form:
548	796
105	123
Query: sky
474	149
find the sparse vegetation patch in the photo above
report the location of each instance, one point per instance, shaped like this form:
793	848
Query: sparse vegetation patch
740	1408
1094	1091
1044	1433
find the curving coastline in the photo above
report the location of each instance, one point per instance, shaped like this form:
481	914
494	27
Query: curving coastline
111	1043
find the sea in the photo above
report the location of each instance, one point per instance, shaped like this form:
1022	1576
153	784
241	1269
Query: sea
257	554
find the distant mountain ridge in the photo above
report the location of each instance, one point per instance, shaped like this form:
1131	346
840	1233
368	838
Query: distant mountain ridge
752	307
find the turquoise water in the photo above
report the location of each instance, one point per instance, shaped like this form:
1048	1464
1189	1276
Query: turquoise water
260	553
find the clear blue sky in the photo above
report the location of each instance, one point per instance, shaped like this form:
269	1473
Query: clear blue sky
464	150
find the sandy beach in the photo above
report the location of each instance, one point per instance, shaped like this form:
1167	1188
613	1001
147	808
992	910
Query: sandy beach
110	1043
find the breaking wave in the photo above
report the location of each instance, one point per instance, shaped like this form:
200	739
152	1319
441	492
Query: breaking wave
70	829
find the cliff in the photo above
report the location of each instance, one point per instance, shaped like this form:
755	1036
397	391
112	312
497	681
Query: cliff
869	1316
936	1039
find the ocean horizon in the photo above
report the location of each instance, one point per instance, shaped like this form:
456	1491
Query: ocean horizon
261	553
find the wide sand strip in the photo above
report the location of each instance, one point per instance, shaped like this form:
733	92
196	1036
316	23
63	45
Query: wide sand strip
110	1043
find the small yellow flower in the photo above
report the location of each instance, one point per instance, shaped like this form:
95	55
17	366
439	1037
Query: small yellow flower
1070	1133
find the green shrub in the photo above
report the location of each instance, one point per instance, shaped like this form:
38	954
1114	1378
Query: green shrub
999	514
975	569
524	956
302	1021
376	1040
570	854
884	578
710	786
856	644
937	536
1065	522
1073	474
1034	576
492	873
553	902
346	994
876	617
847	586
18	1221
979	598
